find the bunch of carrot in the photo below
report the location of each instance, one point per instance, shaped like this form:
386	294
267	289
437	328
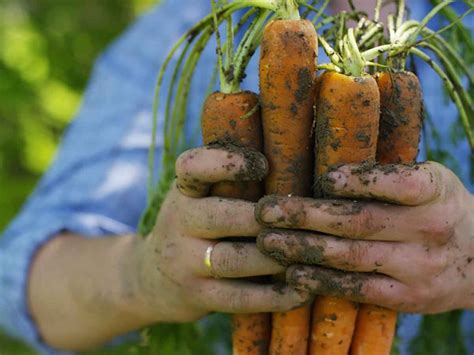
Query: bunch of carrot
347	133
353	116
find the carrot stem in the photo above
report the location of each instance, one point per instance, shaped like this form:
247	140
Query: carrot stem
378	8
444	45
451	73
453	93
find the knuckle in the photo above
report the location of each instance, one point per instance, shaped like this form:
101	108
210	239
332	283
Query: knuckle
238	299
435	264
437	231
226	262
361	224
357	253
209	219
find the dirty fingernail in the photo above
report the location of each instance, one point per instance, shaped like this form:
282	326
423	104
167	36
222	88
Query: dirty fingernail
272	241
303	278
256	166
272	245
268	211
295	275
337	179
272	214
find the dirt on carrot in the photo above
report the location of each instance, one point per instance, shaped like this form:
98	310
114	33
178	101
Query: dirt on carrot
399	137
287	76
324	324
401	117
347	124
287	82
251	333
233	122
348	110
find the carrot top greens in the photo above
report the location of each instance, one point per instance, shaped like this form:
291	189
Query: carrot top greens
232	63
355	49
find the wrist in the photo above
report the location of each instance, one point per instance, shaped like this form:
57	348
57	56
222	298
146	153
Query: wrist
77	292
131	296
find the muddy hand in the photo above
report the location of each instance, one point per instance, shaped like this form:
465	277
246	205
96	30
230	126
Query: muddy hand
186	256
414	254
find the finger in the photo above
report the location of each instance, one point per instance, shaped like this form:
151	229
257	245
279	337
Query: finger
197	169
401	184
215	217
236	296
359	287
296	247
235	259
343	218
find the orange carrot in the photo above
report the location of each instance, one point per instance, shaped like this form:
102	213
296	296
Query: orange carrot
235	119
402	113
347	123
375	329
287	73
290	331
332	325
399	137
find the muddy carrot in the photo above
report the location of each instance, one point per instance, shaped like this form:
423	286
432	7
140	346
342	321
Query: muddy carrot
375	330
347	119
234	119
287	73
399	136
401	117
333	323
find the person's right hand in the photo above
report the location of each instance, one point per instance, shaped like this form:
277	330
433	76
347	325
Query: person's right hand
169	270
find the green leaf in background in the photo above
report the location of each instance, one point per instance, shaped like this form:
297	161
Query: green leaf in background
439	335
47	49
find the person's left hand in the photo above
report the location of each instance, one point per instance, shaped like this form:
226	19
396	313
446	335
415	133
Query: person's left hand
415	254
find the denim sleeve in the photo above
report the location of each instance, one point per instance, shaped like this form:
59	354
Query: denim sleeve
97	184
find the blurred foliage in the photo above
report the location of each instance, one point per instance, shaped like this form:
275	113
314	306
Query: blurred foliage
439	334
47	49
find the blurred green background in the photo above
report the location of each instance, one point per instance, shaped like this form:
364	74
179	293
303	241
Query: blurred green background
47	49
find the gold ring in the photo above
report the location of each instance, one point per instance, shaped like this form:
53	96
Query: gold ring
207	258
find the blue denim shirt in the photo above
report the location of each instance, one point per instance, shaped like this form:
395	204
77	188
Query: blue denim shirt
101	165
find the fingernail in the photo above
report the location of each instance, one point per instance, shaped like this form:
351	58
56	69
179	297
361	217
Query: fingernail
267	243
296	274
268	211
272	214
300	278
336	180
266	239
256	166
